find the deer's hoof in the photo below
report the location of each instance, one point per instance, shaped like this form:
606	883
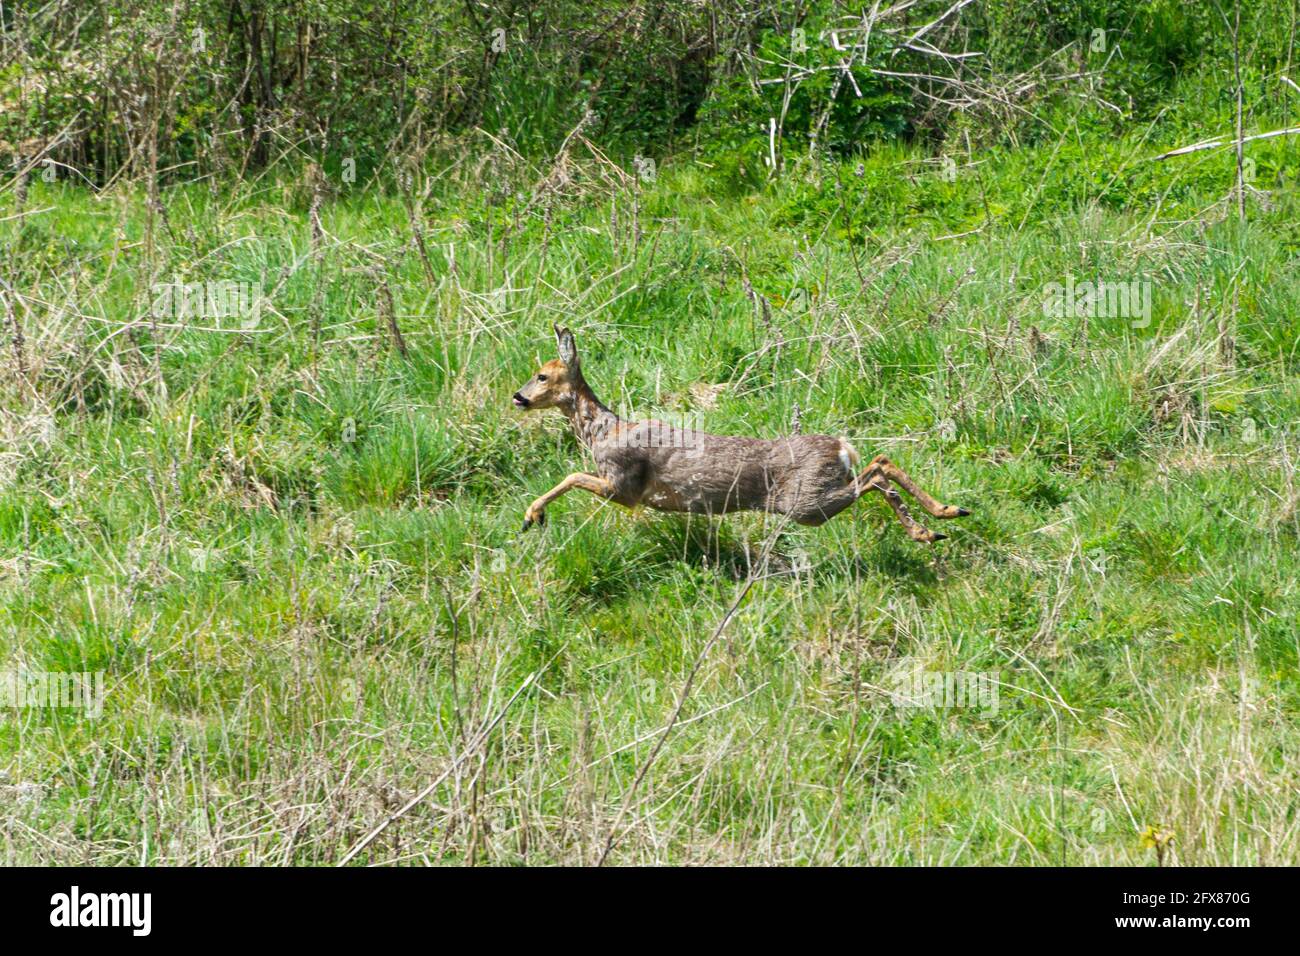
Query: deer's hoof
962	512
935	536
534	518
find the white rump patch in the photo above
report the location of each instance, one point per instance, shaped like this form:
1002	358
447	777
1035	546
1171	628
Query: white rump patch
849	459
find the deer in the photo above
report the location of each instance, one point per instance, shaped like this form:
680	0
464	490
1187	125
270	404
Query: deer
807	478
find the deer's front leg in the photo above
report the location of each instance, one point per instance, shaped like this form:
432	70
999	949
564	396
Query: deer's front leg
536	513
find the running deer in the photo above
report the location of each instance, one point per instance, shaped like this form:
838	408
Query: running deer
808	478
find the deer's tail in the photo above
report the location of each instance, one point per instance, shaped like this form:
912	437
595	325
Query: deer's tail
849	458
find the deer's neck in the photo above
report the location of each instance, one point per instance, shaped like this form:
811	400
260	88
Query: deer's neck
591	420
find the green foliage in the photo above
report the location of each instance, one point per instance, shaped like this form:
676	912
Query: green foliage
803	93
295	551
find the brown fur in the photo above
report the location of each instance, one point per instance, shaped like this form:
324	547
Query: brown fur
808	478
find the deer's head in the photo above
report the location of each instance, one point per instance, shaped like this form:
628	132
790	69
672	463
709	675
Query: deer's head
556	382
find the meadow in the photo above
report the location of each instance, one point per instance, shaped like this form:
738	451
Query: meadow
290	539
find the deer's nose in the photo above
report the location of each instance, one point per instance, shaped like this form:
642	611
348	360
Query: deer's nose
520	401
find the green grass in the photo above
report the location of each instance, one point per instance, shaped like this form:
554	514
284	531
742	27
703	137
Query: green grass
298	562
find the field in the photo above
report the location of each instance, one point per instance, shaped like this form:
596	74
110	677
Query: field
289	538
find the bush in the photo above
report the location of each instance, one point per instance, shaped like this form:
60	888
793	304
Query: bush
801	84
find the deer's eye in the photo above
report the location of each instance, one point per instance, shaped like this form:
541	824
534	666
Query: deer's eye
541	378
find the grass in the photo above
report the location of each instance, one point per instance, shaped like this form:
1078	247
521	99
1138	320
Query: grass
297	560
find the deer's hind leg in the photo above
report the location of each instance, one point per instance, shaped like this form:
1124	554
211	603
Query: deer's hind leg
882	466
871	479
915	530
877	477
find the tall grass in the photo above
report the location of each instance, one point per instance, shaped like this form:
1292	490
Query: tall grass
297	560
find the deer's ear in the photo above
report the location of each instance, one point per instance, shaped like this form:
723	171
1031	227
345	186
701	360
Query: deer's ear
568	349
